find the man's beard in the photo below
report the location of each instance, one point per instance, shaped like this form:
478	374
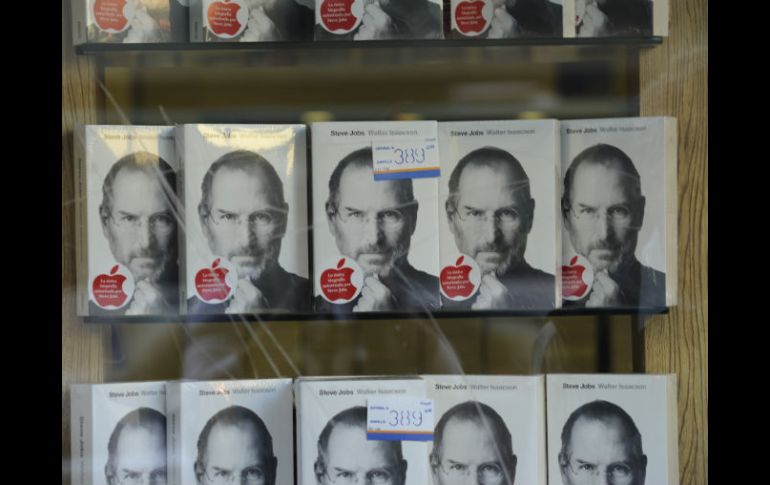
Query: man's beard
380	261
252	262
152	267
498	258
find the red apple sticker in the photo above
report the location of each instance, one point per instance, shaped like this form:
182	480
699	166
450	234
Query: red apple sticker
214	284
112	15
342	283
114	289
340	16
227	18
470	18
576	278
460	281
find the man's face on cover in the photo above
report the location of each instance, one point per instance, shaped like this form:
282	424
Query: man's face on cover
140	457
471	456
140	225
242	222
604	215
491	216
235	455
373	222
601	452
352	459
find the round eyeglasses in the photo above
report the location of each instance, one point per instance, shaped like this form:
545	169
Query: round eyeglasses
221	476
584	473
126	477
161	224
487	473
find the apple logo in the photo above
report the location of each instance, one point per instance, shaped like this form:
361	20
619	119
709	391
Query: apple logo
227	18
473	17
341	283
114	289
215	284
460	281
112	15
576	278
341	16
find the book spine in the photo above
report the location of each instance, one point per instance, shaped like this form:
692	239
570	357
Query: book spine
81	424
672	209
196	21
79	22
173	433
179	153
81	220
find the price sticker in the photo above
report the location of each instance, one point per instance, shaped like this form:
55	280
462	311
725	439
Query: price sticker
399	419
405	159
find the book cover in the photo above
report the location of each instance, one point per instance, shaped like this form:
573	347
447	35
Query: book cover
128	216
612	427
332	444
251	20
616	18
499	217
237	431
619	211
375	236
245	193
129	21
506	19
491	425
361	20
118	433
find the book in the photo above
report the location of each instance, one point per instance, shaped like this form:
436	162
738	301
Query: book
251	20
246	241
361	20
127	216
332	442
129	21
617	425
496	423
375	237
229	431
499	224
616	18
117	430
506	19
619	212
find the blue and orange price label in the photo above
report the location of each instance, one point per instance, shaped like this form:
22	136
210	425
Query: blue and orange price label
399	419
405	159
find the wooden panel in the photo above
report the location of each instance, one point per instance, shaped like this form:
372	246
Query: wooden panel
82	355
673	81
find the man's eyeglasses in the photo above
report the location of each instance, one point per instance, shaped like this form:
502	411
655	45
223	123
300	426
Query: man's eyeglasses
230	220
378	476
388	218
584	473
505	217
618	215
161	224
487	473
221	476
126	477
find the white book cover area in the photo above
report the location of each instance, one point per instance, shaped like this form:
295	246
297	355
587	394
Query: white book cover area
495	19
245	196
361	20
237	431
129	21
375	233
499	219
621	429
332	444
619	212
118	433
127	217
493	425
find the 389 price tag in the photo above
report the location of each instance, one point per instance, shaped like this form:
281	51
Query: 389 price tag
400	419
405	159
